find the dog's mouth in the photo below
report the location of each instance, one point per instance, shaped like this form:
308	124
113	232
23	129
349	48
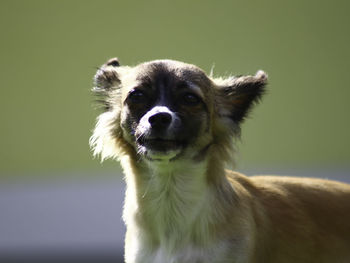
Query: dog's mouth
160	144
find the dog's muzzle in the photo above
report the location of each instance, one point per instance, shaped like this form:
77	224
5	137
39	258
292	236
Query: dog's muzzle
158	131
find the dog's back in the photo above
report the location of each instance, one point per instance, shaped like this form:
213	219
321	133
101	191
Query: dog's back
297	219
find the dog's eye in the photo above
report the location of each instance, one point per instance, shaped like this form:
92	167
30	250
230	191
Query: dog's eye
190	99
137	96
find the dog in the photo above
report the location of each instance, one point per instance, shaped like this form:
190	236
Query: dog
172	128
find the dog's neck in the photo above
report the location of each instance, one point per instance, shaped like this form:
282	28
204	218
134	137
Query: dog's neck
172	201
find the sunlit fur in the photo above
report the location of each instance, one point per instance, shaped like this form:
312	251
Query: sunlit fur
189	209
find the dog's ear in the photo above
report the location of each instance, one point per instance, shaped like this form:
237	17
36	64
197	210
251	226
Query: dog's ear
106	81
106	138
237	95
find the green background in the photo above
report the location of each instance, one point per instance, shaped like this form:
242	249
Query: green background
49	52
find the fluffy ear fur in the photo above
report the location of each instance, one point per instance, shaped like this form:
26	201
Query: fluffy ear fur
106	140
106	81
237	95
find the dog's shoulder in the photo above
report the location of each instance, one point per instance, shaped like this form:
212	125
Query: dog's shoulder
267	183
302	184
293	207
295	193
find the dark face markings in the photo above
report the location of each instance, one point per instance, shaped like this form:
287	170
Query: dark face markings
164	88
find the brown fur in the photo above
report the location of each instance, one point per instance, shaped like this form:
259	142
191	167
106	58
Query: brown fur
297	219
181	205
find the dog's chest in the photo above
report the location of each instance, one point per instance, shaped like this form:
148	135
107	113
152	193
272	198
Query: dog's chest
189	254
217	251
173	210
170	222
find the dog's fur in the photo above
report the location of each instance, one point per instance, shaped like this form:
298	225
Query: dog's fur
171	127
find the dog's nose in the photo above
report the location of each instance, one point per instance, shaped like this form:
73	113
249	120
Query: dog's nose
160	120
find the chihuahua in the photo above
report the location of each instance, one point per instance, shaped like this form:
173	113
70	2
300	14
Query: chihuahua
172	127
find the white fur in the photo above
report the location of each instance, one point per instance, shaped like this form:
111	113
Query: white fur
102	141
177	206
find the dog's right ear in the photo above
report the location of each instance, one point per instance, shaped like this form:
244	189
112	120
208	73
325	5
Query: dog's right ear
106	81
237	95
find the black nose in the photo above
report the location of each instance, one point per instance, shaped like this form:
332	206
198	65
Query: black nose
160	120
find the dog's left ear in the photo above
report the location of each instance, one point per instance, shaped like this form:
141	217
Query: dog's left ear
237	95
106	138
106	81
106	76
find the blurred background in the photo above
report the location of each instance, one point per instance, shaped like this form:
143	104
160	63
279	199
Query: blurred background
57	203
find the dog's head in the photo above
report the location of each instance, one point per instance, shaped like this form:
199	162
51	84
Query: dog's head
169	110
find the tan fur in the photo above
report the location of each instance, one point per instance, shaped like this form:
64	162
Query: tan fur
187	208
297	219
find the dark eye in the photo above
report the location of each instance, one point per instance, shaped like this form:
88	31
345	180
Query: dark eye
190	99
137	97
